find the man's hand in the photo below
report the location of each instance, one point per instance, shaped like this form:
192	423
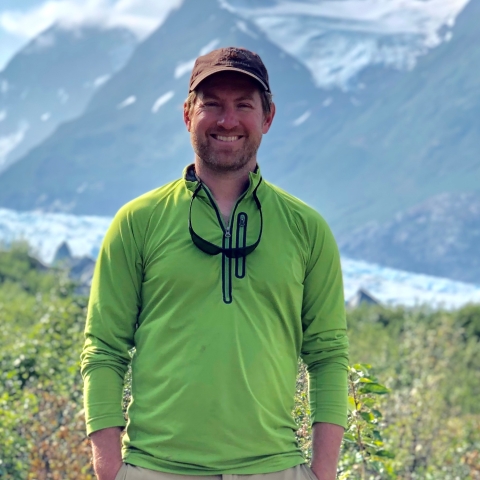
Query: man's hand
327	439
107	452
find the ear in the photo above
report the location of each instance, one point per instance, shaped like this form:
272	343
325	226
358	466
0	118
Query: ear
186	116
268	119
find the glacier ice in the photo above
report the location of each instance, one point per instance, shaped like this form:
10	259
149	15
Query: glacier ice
84	234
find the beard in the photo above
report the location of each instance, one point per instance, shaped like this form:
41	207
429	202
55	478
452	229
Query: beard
224	160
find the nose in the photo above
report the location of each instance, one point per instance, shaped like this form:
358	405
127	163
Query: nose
228	118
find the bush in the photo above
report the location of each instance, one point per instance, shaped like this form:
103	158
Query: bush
41	420
414	416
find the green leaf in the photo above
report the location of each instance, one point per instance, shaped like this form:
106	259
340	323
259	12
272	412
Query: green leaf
367	416
362	367
349	437
351	404
365	380
374	388
385	454
369	402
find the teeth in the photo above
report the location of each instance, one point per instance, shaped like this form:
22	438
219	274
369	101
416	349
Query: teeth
226	139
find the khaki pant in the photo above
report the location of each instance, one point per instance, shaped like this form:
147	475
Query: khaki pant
131	472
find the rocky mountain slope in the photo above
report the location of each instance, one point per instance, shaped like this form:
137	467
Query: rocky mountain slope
131	137
51	81
441	236
390	142
357	156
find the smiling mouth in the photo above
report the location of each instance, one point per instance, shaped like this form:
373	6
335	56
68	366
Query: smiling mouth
223	138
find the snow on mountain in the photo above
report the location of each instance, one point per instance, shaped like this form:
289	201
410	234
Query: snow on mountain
162	100
8	143
52	79
397	287
46	231
128	101
336	40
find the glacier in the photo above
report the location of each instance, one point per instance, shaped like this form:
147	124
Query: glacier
336	40
46	231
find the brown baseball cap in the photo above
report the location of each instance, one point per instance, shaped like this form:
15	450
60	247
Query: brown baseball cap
229	59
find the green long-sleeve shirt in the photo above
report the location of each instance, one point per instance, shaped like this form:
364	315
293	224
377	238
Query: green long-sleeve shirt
217	339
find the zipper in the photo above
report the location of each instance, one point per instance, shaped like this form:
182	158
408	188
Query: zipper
240	263
226	244
227	268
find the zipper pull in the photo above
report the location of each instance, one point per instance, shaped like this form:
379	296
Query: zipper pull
241	221
227	232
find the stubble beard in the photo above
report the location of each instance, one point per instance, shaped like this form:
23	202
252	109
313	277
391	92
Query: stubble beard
223	162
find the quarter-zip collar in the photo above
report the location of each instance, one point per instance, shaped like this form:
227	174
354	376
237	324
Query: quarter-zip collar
191	179
237	220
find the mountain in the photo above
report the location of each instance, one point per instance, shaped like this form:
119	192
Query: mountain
441	237
131	137
396	139
337	40
418	137
52	79
46	233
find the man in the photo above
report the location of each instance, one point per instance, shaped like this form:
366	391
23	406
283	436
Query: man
220	281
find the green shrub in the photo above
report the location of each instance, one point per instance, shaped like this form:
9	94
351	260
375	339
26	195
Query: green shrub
422	421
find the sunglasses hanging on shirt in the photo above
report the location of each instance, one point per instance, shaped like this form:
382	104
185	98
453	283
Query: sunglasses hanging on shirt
212	249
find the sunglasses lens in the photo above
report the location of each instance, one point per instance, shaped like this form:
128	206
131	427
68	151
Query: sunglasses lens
204	245
209	248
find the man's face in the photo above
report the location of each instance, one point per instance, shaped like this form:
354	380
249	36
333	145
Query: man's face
227	122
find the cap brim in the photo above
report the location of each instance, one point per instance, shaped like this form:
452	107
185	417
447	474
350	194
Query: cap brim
218	69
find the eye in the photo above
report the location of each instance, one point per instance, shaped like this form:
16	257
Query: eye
245	105
211	103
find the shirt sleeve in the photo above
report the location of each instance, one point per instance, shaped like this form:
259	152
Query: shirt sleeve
325	343
113	310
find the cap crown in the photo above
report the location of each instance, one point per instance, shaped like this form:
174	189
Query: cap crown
229	59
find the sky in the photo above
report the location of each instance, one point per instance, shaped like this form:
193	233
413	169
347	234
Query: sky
21	20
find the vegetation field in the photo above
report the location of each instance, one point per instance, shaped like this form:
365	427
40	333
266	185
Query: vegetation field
414	385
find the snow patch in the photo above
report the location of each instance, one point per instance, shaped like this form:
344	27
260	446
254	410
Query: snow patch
182	68
81	188
242	26
99	81
45	116
162	101
46	231
62	95
42	42
3	115
186	67
301	119
397	287
209	46
10	142
335	39
128	101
